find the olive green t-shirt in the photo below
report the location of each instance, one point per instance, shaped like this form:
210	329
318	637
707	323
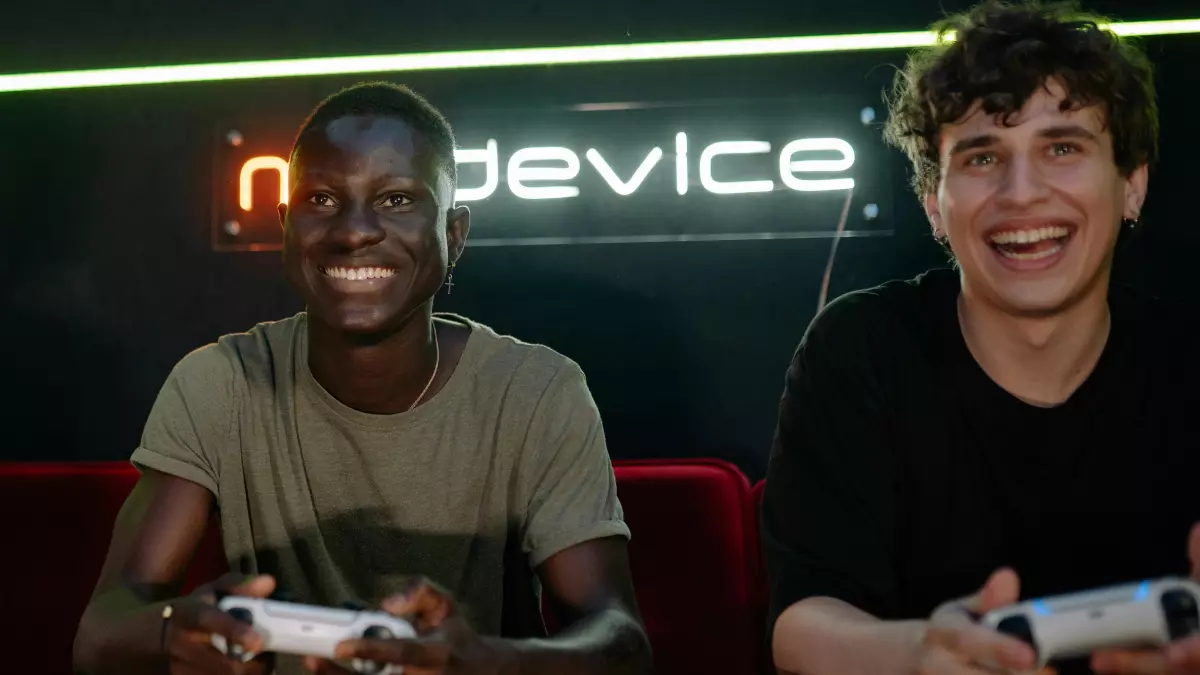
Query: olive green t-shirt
502	468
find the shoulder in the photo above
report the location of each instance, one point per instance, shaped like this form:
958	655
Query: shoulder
1160	331
504	360
886	314
1148	313
234	357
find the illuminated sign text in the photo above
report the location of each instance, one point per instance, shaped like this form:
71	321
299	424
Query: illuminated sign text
546	172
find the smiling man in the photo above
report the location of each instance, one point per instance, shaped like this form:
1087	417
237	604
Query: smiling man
371	452
1010	428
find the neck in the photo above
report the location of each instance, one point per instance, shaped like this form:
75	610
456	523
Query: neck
381	374
1039	359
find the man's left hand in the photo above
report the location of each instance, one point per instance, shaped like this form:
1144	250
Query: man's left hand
445	643
1181	657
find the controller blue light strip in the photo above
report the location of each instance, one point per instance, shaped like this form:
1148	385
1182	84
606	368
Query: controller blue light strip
1042	609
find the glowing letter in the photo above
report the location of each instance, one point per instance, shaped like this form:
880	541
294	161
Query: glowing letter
681	173
518	173
491	162
787	167
622	188
732	148
246	180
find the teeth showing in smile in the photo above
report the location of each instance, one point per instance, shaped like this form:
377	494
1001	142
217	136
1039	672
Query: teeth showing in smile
1023	244
1029	236
357	273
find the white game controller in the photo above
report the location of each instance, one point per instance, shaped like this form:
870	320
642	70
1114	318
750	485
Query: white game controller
1147	614
306	630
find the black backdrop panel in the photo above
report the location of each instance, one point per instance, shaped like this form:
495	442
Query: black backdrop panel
108	273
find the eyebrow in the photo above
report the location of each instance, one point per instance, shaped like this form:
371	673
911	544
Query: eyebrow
1068	131
973	142
1053	133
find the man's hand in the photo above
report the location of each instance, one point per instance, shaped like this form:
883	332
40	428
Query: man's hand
955	644
445	643
195	619
1181	657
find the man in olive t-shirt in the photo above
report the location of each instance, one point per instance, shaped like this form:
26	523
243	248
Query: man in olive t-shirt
343	506
369	451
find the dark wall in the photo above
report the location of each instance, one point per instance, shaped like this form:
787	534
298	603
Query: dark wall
107	274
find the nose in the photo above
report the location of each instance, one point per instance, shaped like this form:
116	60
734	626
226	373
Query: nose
357	229
1022	183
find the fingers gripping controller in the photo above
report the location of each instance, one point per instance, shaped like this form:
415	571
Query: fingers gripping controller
235	651
1150	613
371	667
306	630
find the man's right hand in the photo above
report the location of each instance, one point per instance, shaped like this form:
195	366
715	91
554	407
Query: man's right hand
956	644
195	619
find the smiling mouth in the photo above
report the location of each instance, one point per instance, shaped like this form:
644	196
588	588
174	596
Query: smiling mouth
357	273
1033	244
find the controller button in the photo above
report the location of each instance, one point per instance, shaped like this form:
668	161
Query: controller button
242	614
371	668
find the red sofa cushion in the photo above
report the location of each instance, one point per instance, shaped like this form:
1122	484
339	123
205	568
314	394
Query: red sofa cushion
57	527
690	560
693	556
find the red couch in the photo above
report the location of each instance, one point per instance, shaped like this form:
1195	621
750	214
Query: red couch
695	559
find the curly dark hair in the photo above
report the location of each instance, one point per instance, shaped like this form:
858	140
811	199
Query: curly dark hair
999	54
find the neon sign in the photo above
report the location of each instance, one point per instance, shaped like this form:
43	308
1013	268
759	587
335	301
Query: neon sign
614	172
547	172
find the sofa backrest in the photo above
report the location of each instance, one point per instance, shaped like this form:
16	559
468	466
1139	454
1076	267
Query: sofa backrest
693	554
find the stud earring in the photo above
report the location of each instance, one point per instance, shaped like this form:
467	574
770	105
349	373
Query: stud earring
1129	222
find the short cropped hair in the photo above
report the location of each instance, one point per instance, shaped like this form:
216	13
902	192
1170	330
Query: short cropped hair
1000	54
387	99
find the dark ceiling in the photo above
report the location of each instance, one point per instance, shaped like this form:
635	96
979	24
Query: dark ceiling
38	36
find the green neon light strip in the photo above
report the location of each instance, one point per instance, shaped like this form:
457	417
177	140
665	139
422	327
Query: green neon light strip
496	58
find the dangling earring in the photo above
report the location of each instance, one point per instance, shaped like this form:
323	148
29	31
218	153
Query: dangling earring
450	278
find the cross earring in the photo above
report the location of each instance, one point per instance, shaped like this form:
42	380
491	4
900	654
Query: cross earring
450	279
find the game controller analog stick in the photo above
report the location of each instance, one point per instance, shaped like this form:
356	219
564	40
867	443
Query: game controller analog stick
1181	612
372	667
377	633
235	651
1018	627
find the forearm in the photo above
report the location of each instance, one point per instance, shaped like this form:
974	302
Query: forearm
120	634
823	636
610	642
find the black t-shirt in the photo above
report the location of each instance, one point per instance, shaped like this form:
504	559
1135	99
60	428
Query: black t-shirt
902	475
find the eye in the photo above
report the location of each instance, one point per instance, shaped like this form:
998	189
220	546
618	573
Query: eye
1060	149
323	200
396	200
981	159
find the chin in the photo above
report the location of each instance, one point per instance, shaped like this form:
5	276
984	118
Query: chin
352	320
364	319
1041	297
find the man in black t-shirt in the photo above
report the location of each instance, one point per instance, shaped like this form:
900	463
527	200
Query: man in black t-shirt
1011	428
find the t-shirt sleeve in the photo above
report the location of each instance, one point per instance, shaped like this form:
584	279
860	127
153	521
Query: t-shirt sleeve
572	492
828	514
191	420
